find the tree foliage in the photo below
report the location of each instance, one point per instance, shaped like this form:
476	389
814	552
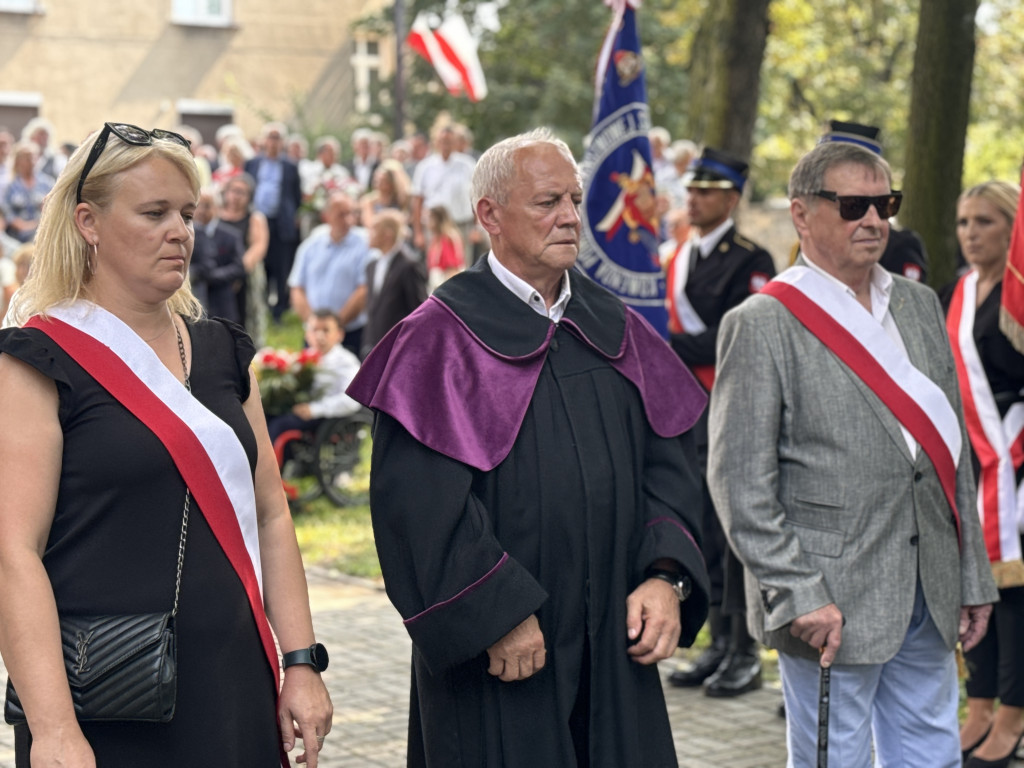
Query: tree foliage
995	136
824	59
827	60
540	69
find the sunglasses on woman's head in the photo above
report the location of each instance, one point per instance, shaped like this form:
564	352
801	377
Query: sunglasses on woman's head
854	207
129	134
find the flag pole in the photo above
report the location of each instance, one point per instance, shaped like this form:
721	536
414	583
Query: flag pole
399	116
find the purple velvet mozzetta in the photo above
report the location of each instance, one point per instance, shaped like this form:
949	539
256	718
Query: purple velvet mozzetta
462	398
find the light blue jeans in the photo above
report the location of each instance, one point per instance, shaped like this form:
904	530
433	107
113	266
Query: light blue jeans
908	704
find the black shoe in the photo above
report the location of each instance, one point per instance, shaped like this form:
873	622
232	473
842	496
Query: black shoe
1002	762
705	665
737	674
965	754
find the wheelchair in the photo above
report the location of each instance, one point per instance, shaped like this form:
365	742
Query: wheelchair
323	460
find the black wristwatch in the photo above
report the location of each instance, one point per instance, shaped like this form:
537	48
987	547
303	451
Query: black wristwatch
315	656
681	583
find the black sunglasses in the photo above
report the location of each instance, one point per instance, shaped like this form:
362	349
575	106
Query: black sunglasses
854	207
129	134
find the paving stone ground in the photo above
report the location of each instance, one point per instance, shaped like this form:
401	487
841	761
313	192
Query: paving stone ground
369	678
369	684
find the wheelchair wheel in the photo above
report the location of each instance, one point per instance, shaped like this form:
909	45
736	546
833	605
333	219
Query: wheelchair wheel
338	447
299	470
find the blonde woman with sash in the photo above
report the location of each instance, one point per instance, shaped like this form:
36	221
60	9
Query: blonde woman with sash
125	411
991	374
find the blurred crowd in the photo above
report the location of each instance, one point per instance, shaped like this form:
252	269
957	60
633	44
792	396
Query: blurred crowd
274	204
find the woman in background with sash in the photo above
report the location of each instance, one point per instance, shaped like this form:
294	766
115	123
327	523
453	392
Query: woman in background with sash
991	374
94	479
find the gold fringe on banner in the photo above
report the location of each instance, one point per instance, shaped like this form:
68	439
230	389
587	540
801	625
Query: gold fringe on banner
1013	330
1008	574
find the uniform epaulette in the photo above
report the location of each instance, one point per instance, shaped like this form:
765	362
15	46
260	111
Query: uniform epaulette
742	242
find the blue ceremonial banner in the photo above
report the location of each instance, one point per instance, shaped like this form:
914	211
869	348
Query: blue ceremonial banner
619	247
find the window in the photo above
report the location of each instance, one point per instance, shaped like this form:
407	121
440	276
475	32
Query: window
205	116
365	61
17	108
206	13
18	6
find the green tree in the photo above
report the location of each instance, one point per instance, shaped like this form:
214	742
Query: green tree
826	60
941	92
540	69
995	136
726	68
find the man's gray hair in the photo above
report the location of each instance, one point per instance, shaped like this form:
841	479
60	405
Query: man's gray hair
277	127
327	141
809	175
496	169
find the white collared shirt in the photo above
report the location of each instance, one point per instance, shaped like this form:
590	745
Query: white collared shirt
708	242
881	293
527	293
380	271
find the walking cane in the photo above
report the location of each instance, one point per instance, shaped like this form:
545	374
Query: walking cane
824	685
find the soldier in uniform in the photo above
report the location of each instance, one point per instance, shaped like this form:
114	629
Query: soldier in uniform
706	277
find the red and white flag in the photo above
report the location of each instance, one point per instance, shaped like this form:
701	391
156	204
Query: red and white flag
451	49
1011	312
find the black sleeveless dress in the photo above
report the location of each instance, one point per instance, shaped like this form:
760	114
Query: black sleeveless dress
113	549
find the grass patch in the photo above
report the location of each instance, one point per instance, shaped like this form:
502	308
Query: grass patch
287	334
337	537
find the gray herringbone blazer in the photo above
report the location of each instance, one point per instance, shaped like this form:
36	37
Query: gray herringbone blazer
819	494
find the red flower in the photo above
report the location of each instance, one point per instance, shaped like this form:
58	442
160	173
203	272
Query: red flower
308	356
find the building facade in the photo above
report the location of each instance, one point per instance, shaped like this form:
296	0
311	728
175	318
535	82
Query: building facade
201	62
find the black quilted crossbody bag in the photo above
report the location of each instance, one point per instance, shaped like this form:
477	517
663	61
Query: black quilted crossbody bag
122	666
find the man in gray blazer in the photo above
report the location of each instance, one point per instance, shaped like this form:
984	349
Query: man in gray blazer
841	471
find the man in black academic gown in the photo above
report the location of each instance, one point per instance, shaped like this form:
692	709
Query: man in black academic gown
534	492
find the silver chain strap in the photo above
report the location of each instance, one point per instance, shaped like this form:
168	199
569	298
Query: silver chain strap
181	554
184	516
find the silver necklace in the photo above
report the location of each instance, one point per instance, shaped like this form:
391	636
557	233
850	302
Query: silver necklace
150	341
181	351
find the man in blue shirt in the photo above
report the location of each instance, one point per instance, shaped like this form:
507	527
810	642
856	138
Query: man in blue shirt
330	270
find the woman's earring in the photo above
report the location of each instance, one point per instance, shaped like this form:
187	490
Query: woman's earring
95	258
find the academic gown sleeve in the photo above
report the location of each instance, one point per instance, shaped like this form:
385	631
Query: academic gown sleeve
453	583
672	523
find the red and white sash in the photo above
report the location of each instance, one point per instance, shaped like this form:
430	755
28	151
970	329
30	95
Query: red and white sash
682	317
681	311
998	441
204	448
860	342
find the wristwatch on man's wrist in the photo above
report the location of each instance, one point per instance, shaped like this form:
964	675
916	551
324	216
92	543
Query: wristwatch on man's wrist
315	656
681	583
